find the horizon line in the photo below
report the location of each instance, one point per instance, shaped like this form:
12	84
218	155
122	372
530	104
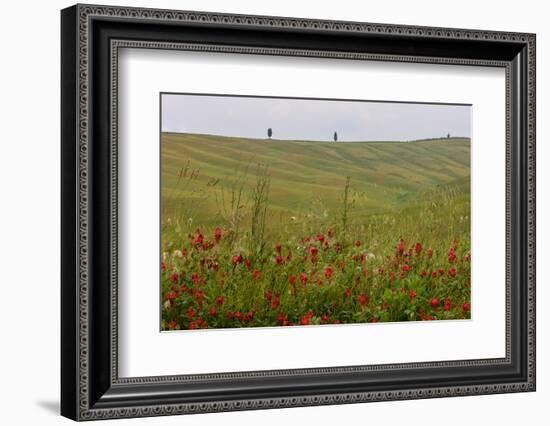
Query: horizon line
321	140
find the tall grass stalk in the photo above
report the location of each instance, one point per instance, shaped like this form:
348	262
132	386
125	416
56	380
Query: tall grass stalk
231	206
258	213
346	207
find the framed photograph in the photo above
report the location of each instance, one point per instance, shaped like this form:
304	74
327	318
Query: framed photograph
263	212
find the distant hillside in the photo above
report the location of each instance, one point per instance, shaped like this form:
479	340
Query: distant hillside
384	175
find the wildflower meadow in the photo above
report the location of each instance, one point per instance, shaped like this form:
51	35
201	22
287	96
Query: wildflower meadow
277	233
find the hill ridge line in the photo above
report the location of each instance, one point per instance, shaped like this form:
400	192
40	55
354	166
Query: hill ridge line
457	138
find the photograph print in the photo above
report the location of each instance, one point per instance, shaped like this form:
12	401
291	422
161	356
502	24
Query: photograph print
280	212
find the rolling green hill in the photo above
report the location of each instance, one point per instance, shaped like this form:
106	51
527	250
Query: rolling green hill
198	171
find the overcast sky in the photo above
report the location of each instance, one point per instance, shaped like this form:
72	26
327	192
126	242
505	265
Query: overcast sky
312	119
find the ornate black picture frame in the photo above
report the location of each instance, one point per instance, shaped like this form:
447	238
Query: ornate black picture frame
90	38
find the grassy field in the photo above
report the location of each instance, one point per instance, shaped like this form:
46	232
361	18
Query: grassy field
288	208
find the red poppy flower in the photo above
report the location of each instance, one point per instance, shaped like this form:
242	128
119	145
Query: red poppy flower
347	292
257	274
248	263
292	279
218	234
237	259
283	319
447	305
434	302
329	232
219	300
171	296
239	315
172	325
418	248
306	319
451	255
381	271
199	238
276	302
175	277
406	268
423	273
412	294
392	276
313	251
191	313
400	247
329	271
303	277
320	238
358	243
363	299
430	252
452	272
465	307
279	260
213	311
